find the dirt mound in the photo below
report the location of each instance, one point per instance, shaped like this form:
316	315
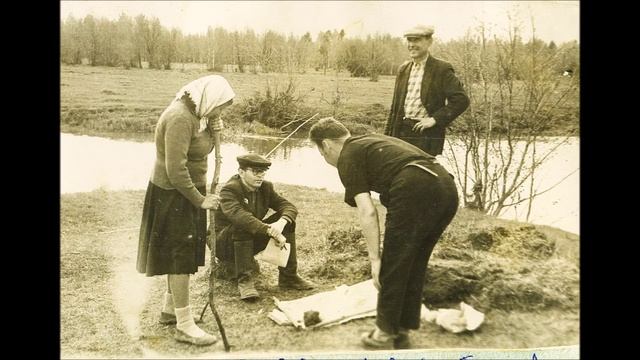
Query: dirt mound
499	267
489	282
348	256
521	242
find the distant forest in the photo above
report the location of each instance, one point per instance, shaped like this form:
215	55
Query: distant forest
144	42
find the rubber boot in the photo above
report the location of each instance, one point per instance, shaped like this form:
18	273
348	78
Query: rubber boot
243	251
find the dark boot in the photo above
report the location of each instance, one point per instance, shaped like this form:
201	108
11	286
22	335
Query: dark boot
243	251
225	254
288	276
402	341
226	270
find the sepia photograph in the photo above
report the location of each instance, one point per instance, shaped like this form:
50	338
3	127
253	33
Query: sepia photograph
320	179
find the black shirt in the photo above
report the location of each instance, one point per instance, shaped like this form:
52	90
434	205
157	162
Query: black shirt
370	162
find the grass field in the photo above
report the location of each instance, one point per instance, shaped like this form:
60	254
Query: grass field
103	99
98	100
524	277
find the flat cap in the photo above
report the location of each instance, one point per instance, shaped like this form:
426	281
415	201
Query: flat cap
419	31
253	161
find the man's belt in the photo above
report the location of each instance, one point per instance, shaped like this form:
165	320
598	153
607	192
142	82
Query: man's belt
416	163
409	121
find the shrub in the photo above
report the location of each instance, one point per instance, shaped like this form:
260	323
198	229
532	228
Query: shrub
273	107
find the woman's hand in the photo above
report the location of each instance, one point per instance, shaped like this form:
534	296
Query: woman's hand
211	201
216	124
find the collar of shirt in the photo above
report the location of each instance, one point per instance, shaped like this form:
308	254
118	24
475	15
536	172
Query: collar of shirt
246	188
423	62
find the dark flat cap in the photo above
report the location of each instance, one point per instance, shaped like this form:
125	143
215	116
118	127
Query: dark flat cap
253	161
419	31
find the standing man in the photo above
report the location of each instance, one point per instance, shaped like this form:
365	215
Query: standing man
427	96
242	231
421	200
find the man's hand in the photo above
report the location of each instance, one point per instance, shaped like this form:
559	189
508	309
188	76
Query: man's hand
280	240
275	231
211	201
277	227
375	272
424	123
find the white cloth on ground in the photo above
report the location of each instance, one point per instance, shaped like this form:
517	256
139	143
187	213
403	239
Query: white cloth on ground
467	318
334	307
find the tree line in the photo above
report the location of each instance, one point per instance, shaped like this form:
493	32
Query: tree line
132	42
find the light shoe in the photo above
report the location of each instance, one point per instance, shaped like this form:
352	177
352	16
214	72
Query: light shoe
204	340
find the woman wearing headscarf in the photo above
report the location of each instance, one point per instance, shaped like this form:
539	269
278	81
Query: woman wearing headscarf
173	230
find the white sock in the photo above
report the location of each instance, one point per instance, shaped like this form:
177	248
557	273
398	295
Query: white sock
186	324
167	306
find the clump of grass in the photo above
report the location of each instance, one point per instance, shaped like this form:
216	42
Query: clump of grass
273	107
350	240
348	260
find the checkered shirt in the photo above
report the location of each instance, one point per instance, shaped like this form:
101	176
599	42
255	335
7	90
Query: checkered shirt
413	107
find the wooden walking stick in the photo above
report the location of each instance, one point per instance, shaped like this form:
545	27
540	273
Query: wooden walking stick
211	240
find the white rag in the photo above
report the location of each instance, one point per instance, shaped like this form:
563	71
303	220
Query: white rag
467	318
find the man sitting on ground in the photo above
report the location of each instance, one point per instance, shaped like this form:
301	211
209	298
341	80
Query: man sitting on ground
242	231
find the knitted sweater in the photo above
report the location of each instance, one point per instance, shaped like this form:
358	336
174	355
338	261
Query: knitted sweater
181	152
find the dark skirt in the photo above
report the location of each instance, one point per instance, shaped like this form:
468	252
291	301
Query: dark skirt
173	233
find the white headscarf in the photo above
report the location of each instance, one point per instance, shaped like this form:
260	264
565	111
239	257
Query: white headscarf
207	93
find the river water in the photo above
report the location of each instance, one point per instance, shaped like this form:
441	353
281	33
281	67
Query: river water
89	163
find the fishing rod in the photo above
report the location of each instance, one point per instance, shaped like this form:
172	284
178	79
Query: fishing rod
288	136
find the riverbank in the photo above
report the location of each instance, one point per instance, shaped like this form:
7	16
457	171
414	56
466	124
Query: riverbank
116	100
524	277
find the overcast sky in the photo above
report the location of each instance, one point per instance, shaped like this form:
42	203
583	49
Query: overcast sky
554	20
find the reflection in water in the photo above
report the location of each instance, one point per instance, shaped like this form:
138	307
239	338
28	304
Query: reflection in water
88	163
263	145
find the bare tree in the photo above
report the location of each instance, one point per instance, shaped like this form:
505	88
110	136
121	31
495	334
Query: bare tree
168	50
324	48
152	36
71	41
139	37
90	39
516	97
108	43
272	52
303	52
125	45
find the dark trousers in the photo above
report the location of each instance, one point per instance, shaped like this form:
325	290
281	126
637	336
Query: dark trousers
230	234
429	140
420	207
